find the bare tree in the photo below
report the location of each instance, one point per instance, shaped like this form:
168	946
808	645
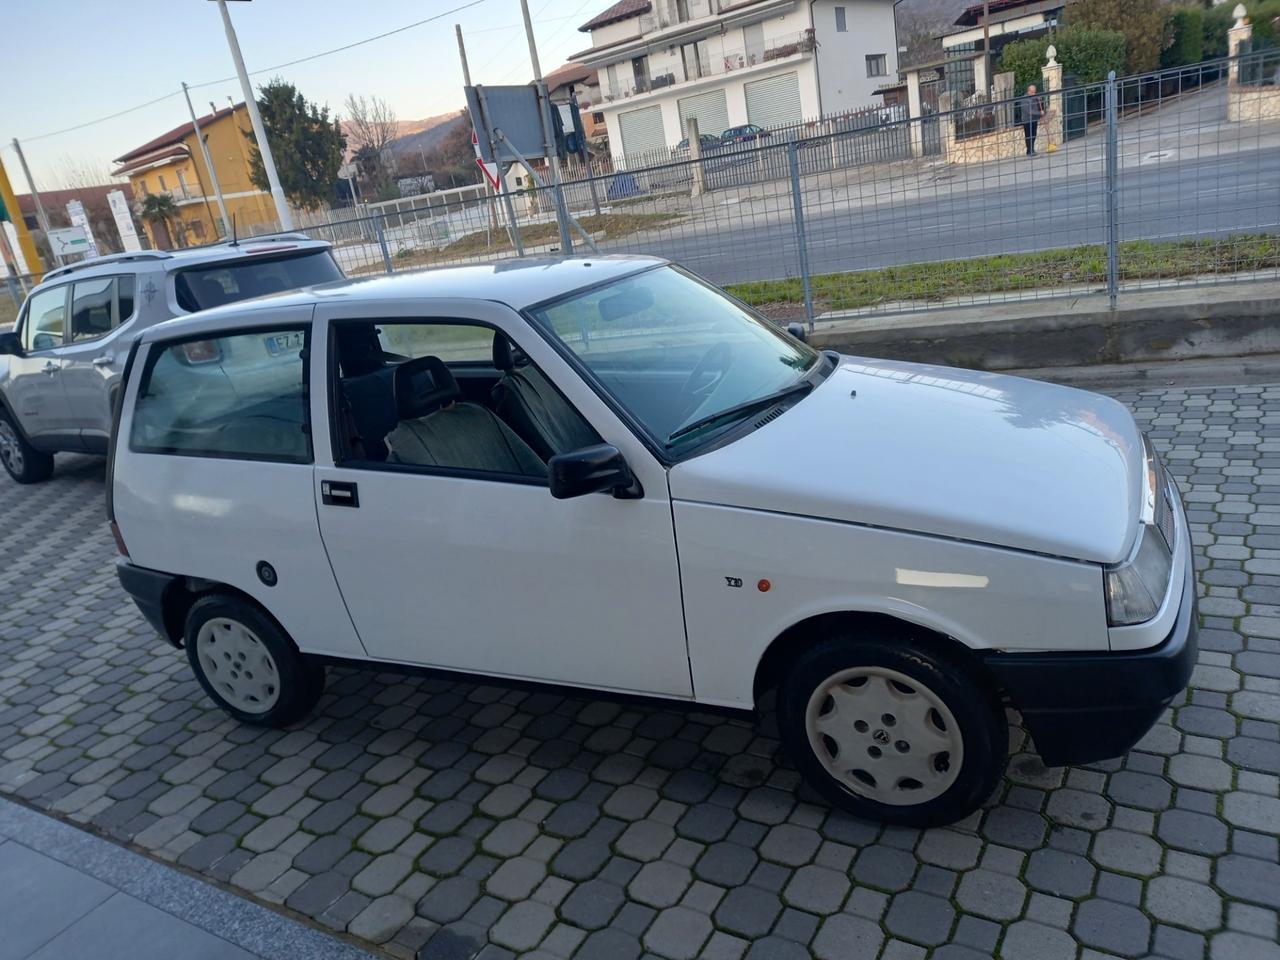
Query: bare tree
370	122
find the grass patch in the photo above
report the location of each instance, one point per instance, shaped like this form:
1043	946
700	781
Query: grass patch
613	226
1008	273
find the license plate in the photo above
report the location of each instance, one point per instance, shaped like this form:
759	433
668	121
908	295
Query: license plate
279	343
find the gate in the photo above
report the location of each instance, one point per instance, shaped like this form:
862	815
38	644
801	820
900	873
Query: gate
930	134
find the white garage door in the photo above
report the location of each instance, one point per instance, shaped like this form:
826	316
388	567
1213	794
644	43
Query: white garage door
641	131
710	108
774	101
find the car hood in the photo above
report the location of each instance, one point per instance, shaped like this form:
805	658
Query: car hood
954	453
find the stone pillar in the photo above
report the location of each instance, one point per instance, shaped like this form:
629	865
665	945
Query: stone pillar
915	112
947	124
1051	125
1236	36
1002	95
695	157
981	82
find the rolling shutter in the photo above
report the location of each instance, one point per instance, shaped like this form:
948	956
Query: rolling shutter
774	101
710	108
642	131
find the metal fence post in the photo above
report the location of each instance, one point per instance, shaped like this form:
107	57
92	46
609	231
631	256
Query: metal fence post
1112	166
797	205
382	242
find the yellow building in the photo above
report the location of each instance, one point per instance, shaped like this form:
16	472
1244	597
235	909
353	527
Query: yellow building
172	163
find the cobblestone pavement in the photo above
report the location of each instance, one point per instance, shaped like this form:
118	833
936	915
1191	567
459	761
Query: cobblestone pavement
448	819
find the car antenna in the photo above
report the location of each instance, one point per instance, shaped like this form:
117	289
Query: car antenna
235	242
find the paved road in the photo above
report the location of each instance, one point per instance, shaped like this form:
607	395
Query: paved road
443	819
1168	199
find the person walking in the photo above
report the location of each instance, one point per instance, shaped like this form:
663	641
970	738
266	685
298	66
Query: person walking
1033	111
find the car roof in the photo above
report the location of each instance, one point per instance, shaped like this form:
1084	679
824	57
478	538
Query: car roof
518	283
188	256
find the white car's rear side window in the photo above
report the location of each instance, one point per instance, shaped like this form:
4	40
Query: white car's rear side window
242	396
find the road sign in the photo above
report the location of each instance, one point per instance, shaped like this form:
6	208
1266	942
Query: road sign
490	171
75	210
69	242
124	221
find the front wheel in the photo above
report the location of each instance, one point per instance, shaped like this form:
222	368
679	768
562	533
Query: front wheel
22	461
893	729
248	665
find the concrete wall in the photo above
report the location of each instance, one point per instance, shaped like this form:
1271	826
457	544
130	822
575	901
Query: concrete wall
842	57
613	32
1250	104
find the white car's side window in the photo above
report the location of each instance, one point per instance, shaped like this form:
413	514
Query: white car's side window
242	396
447	397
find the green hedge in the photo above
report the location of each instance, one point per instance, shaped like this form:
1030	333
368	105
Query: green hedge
1087	54
1186	24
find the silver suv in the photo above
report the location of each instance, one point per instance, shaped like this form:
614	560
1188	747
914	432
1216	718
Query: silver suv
60	366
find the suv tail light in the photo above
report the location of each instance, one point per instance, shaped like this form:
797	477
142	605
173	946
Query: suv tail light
202	351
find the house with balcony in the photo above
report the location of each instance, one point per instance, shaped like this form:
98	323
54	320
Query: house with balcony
172	163
733	62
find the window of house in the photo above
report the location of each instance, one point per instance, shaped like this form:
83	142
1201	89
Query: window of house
146	191
46	319
241	396
163	185
877	65
92	308
640	67
842	25
182	183
753	42
611	72
597	118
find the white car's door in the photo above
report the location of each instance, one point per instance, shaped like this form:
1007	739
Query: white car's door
482	570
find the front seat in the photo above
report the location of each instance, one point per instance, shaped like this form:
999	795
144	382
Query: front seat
526	400
438	430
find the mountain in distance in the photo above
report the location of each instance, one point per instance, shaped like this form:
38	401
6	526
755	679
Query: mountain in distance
426	135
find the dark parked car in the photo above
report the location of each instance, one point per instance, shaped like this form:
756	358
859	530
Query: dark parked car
707	141
747	133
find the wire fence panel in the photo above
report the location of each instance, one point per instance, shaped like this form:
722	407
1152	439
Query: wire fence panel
897	215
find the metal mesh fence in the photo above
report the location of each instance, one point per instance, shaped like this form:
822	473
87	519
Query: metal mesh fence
1168	178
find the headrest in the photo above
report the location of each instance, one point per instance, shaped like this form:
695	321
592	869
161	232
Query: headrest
423	386
503	353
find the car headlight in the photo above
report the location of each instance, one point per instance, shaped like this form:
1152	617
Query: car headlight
1136	587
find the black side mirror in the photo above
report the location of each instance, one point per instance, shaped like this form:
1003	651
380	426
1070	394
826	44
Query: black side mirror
11	344
798	331
592	470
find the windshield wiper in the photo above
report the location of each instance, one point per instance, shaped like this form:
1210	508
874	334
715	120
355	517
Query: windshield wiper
741	409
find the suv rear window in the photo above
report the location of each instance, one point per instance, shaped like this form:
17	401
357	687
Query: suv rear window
242	396
212	285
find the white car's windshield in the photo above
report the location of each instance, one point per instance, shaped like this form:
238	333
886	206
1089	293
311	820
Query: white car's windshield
682	357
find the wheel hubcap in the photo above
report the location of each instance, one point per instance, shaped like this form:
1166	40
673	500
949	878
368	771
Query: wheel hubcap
238	665
884	735
10	448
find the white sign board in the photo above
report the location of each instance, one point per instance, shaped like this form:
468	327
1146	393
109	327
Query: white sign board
11	232
124	221
68	242
75	210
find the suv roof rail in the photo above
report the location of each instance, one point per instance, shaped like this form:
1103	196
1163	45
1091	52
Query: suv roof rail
108	258
276	237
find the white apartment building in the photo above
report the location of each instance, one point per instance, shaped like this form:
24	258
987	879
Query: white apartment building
734	62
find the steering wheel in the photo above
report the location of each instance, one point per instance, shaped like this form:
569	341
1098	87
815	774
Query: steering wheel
715	361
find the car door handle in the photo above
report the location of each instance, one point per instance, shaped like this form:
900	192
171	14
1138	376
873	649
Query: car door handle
337	493
50	367
104	361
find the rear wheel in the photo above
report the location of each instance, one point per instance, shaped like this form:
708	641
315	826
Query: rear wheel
247	664
22	461
892	728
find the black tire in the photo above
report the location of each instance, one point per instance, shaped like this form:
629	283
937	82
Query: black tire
299	680
21	461
957	683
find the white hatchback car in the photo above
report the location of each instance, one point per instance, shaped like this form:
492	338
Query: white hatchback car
607	474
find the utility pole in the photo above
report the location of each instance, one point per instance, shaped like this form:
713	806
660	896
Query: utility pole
259	132
41	216
548	138
208	163
986	44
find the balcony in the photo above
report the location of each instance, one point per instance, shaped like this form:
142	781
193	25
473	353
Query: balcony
713	65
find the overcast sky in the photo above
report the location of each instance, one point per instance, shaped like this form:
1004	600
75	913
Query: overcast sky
73	61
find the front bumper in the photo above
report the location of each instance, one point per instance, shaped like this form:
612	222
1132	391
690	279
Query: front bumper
148	589
1084	707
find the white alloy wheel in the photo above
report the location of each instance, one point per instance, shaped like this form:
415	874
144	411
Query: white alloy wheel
11	448
238	665
884	735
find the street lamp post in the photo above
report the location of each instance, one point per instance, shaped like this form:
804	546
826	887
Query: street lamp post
255	118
